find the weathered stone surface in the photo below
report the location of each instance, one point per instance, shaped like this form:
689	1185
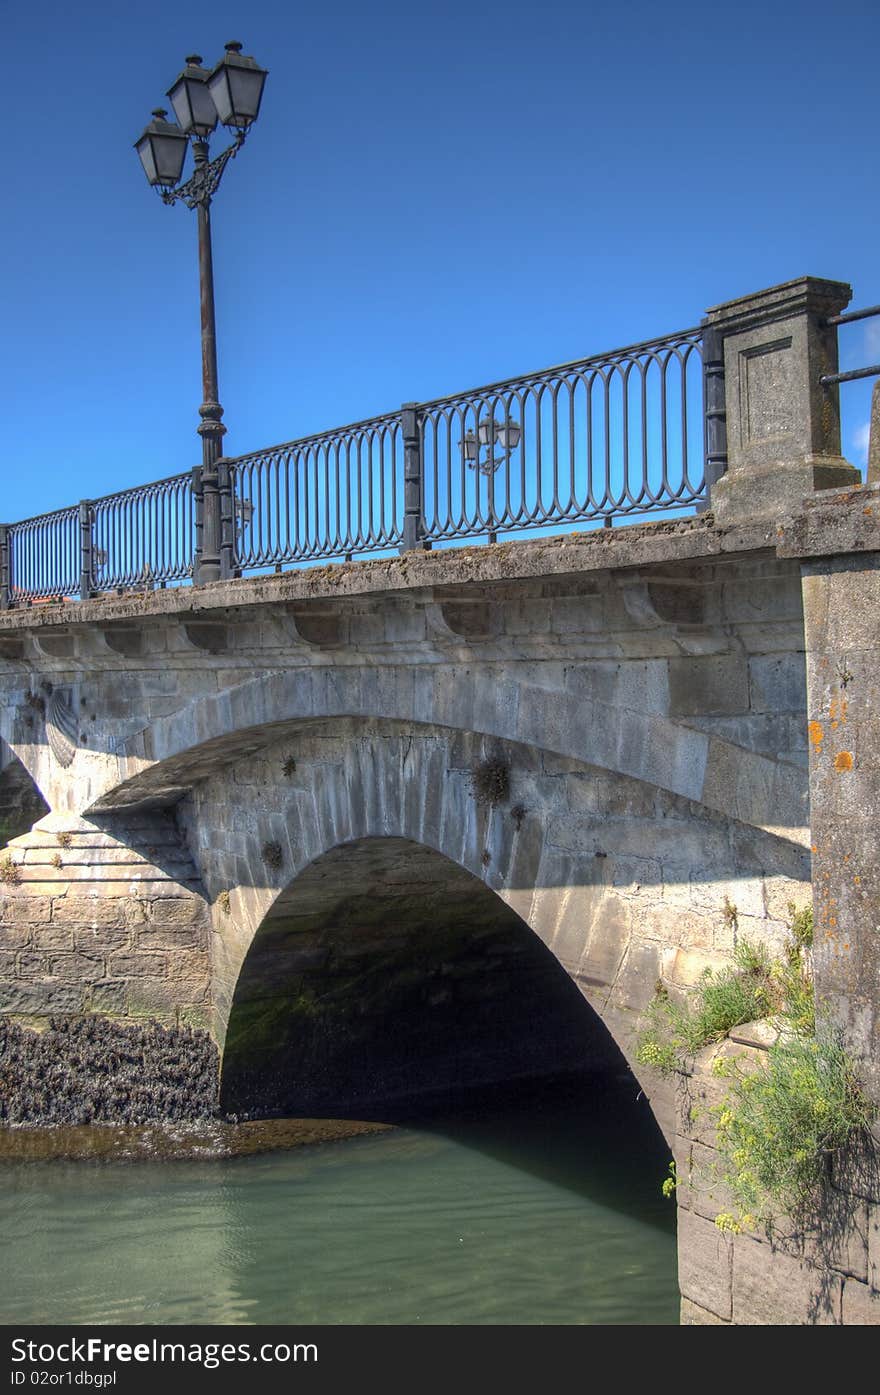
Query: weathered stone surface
24	909
705	1265
861	1304
692	1315
176	911
775	1289
708	685
89	911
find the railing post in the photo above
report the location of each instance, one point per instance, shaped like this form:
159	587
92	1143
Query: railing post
5	579
86	551
197	521
413	478
208	524
714	408
227	520
782	424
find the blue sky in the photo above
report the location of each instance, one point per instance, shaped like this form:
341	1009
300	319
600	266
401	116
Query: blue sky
435	196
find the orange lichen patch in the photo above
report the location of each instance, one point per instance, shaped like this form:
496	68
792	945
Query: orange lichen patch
843	761
837	712
817	735
857	880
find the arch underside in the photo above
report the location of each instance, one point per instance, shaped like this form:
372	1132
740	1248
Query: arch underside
385	976
624	883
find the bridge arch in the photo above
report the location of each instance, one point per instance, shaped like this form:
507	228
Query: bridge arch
623	882
637	742
384	974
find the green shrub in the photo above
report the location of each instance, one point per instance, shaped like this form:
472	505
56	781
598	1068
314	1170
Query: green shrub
781	1121
785	1116
672	1031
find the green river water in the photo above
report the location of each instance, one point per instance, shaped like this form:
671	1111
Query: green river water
536	1205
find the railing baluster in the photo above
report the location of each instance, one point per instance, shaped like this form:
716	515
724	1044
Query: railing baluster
5	569
413	477
85	549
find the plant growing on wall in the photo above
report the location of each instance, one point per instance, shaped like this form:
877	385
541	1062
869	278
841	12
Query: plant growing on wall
782	1119
490	781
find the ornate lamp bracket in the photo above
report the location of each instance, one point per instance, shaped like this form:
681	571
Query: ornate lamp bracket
204	183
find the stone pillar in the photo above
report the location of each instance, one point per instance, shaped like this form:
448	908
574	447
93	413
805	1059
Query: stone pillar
783	427
838	539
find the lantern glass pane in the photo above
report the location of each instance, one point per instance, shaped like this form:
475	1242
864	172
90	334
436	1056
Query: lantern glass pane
169	153
179	95
246	85
218	88
145	150
204	111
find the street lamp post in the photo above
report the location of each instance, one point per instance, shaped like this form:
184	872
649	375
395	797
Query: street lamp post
231	92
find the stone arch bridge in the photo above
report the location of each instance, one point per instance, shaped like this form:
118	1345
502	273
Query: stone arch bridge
412	786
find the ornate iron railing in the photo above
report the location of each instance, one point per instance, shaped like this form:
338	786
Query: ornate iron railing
331	495
43	557
143	537
606	437
621	435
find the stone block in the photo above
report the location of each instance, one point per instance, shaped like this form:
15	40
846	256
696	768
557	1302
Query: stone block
692	1315
15	937
102	938
700	1186
840	1240
41	997
48	937
170	937
136	965
609	936
76	967
703	685
753	789
31	965
861	1305
637	979
24	909
874	1247
778	683
705	1260
775	1289
91	911
177	910
110	996
642	685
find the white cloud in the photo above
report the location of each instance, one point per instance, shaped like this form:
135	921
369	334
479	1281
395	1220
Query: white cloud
860	438
872	340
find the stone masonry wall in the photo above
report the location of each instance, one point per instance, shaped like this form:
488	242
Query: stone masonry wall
103	917
827	1274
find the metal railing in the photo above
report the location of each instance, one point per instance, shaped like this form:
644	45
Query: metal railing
605	437
331	495
42	557
142	537
621	435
